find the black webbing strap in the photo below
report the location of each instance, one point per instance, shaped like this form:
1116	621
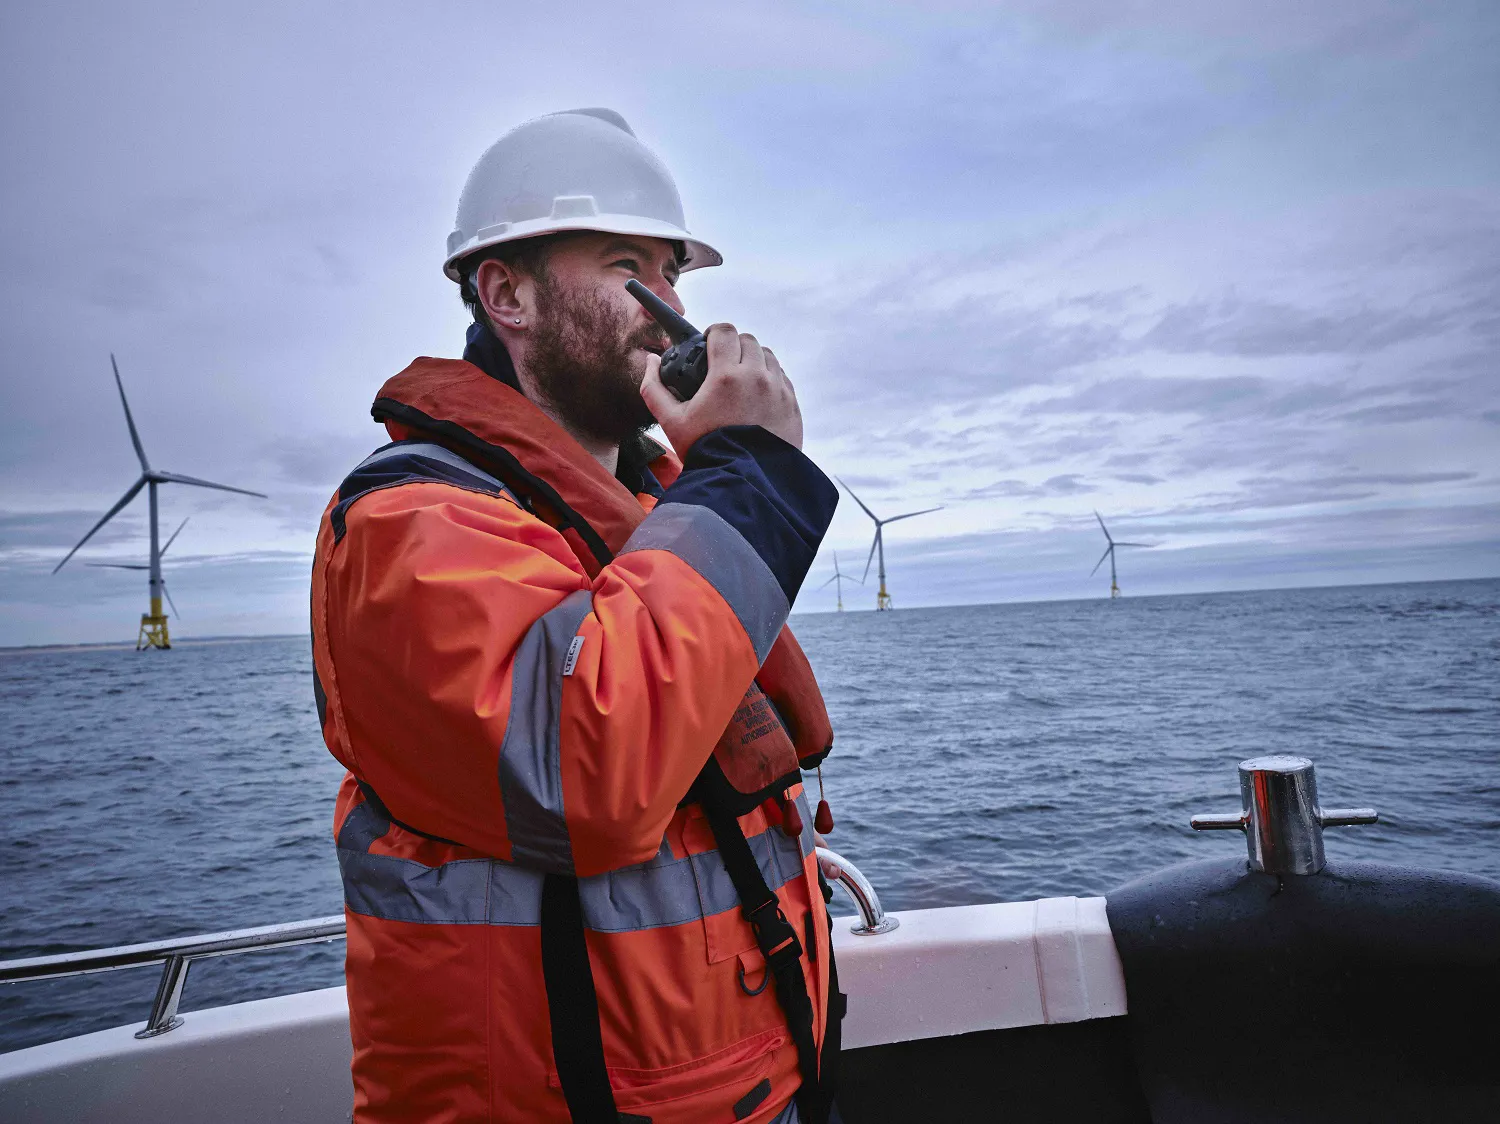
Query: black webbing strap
783	952
573	1005
833	1029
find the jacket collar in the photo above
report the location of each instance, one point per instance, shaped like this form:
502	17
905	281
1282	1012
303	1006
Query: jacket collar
482	349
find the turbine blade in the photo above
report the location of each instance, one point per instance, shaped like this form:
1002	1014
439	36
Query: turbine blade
135	438
175	533
830	581
857	500
108	515
119	565
178	478
170	602
1102	527
909	514
873	544
1102	557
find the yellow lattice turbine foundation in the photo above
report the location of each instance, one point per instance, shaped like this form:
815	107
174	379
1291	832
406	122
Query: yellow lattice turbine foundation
153	628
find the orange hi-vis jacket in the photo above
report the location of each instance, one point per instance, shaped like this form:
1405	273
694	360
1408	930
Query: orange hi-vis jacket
525	665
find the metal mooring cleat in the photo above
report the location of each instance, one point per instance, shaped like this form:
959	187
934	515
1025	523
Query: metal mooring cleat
1282	822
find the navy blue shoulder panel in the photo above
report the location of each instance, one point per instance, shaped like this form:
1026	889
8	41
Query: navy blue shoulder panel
410	462
765	489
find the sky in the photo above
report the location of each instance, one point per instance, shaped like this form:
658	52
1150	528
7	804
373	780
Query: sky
1226	272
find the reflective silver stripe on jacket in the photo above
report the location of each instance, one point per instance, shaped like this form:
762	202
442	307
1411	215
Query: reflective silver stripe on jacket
720	554
429	451
531	752
662	892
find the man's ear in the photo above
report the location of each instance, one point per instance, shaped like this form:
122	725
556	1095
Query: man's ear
505	294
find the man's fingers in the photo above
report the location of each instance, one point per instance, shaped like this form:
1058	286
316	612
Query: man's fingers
773	364
723	345
751	353
659	400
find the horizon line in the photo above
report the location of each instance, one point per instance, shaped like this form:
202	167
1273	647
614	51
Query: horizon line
249	637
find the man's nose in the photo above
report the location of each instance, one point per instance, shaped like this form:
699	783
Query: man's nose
665	291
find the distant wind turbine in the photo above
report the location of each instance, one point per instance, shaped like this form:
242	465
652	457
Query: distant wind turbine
882	599
153	632
1109	552
839	577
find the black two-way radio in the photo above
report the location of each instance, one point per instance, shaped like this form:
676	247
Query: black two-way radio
684	365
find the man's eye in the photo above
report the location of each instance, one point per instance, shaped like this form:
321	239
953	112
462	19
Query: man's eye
630	264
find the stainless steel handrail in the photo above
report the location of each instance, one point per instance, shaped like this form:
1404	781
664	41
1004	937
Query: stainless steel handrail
873	919
174	955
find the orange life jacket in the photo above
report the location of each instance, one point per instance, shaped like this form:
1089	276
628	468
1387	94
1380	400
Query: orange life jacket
570	730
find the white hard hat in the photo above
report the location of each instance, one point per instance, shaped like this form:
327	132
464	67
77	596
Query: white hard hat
582	169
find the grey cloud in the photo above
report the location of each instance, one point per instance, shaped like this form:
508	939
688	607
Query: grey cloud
864	480
1067	484
1391	478
1367	526
1146	394
1252	328
1099	434
1273	492
1139	478
1396	413
891	360
59	530
320	460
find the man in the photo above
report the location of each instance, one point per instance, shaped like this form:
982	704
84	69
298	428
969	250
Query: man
577	861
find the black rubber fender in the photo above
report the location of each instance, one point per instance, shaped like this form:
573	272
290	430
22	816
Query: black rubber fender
1367	992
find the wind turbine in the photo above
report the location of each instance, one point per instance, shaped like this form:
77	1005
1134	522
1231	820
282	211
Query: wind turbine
1109	552
839	577
153	632
882	599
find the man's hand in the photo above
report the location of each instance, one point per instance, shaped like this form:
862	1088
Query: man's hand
745	386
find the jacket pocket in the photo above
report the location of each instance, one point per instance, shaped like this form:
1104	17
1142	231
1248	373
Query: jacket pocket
701	1089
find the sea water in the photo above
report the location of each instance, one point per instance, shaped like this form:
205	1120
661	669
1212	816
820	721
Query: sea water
983	753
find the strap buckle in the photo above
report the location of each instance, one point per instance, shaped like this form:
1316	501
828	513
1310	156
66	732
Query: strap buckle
774	934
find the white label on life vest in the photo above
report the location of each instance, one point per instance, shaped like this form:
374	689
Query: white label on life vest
572	658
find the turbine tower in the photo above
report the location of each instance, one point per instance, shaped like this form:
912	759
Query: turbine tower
1109	552
839	577
153	632
882	599
146	566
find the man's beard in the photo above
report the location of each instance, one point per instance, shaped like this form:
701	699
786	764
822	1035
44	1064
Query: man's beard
582	357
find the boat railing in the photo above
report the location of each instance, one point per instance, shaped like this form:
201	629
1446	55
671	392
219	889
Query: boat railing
177	954
873	920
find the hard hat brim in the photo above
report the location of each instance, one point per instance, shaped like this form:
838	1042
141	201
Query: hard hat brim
699	253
